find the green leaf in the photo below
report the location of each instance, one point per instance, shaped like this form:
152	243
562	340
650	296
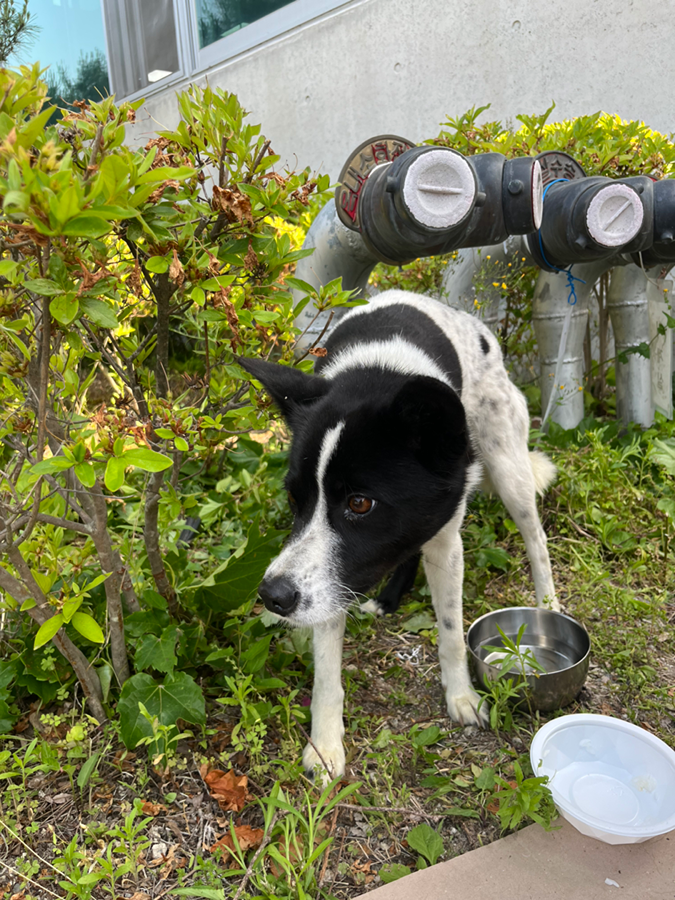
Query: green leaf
158	652
53	464
114	473
393	872
239	581
178	697
426	737
426	841
43	286
86	474
422	621
87	771
64	308
99	312
254	658
663	452
88	627
47	630
146	459
157	264
166	173
70	607
86	226
182	444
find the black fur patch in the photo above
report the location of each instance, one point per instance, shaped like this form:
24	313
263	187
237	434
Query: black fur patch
485	347
396	320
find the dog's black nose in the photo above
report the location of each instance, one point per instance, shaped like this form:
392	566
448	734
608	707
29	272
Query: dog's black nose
279	595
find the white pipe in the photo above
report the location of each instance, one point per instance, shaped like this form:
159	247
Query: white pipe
458	288
549	307
628	304
338	252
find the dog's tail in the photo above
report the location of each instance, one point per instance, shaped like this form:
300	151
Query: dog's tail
543	469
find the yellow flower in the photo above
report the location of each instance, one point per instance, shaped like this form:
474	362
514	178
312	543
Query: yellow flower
522	259
580	388
495	284
562	387
509	265
504	286
487	257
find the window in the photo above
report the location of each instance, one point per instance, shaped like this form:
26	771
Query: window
217	19
143	44
71	41
155	42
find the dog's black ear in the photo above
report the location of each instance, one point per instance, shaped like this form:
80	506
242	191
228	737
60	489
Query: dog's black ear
289	388
433	422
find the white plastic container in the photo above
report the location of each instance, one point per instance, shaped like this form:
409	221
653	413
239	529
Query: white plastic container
610	779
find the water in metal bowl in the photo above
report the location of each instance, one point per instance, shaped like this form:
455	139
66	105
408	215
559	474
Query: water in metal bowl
560	646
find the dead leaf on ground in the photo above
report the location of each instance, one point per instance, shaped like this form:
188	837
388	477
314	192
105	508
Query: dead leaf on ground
228	789
152	809
248	838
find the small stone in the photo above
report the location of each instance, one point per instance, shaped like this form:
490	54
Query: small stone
159	850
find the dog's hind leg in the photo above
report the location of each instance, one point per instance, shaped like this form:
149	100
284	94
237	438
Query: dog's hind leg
400	583
326	750
444	567
517	476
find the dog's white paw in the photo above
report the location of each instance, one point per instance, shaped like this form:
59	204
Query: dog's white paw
315	763
464	708
371	606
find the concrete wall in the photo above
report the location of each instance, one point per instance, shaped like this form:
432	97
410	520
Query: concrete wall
402	66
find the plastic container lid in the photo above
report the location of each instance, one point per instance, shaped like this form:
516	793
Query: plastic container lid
612	780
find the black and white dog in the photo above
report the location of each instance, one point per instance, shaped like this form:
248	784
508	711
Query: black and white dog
412	410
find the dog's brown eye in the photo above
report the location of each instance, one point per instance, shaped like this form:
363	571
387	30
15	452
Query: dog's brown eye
360	505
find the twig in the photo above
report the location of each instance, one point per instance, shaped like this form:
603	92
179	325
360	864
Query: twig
256	162
267	837
316	341
324	865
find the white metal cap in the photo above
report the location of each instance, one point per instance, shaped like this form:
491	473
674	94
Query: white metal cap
439	188
614	215
537	195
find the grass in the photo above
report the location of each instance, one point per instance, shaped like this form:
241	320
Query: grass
84	818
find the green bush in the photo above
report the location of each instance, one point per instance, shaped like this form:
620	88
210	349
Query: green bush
130	281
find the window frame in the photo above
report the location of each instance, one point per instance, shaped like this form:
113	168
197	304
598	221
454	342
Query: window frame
115	9
194	61
288	17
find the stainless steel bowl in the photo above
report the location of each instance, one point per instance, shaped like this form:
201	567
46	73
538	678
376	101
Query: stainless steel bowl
559	644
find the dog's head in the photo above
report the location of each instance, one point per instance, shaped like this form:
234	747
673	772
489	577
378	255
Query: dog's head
377	466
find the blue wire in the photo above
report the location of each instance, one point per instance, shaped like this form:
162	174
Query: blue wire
572	298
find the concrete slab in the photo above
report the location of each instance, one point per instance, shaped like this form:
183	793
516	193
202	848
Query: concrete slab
535	865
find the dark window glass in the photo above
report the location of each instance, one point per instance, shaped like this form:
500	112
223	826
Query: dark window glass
218	18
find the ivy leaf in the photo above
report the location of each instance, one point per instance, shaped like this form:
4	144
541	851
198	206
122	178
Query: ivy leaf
88	627
178	697
47	630
158	652
239	580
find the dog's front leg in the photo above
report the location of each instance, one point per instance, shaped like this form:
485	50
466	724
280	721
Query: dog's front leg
444	567
326	749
